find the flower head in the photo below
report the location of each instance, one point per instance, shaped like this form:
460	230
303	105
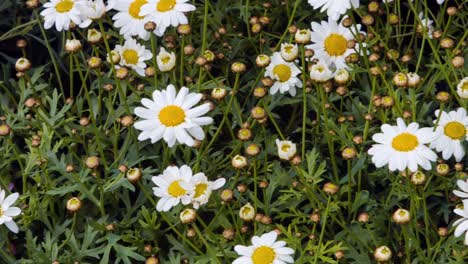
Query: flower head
285	75
133	55
166	61
462	223
165	13
62	13
462	88
7	212
335	8
286	149
203	188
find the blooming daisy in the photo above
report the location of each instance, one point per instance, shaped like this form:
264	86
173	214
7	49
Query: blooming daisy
165	13
166	61
286	149
403	147
330	43
452	130
462	88
91	10
462	224
62	13
463	185
335	8
133	55
203	188
320	72
129	20
173	186
7	212
170	116
285	73
264	250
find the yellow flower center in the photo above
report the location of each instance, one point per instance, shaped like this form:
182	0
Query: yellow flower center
263	255
172	115
134	9
335	45
165	60
200	189
285	147
465	86
64	6
405	142
175	189
1	211
455	130
130	56
283	72
166	5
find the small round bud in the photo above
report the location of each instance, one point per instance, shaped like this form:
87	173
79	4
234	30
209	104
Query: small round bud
458	166
289	52
200	61
228	233
121	73
442	231
330	188
123	168
252	150
296	160
256	28
413	79
94	36
188	216
302	36
72	45
266	220
134	175
418	178
113	57
363	217
357	140
150	26
262	60
342	77
22	65
189	50
5	130
94	62
126	120
239	162
400	80
443	97
368	20
387	101
347	22
152	260
244	134
191	232
73	204
401	216
21	43
227	195
447	43
451	10
458	62
148	248
110	227
31	4
258	112
69	168
314	217
348	153
259	92
218	93
247	212
267	81
393	19
238	67
92	162
383	254
443	169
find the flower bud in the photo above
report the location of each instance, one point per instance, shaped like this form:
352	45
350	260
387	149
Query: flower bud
227	195
342	77
94	62
72	45
348	153
252	150
363	217
73	204
238	67
121	73
218	93
92	162
152	260
289	52
239	162
228	233
382	254
302	36
443	96
244	134
401	216
114	57
94	36
330	188
443	169
262	60
188	216
258	112
4	130
400	80
247	212
22	65
413	79
134	174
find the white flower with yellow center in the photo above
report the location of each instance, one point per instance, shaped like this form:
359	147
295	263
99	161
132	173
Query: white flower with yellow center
129	20
335	8
320	72
330	43
452	131
174	187
166	61
170	116
462	88
165	13
7	212
462	223
286	149
133	55
403	147
264	250
203	188
285	75
91	10
62	13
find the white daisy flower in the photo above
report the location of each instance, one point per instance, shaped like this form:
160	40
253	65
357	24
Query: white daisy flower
173	186
462	224
62	13
166	61
133	55
203	188
286	149
462	88
129	20
330	43
320	72
264	250
463	185
165	13
170	116
335	8
426	24
452	131
91	10
403	147
7	212
285	75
